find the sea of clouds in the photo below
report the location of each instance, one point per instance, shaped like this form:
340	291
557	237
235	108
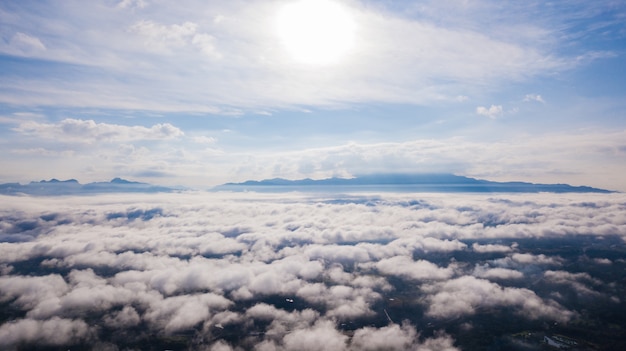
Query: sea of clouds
285	271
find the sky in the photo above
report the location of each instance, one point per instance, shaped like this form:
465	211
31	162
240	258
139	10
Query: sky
199	93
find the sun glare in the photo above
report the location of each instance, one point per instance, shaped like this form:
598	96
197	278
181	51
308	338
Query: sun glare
315	31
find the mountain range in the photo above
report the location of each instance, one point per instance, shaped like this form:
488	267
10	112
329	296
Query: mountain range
404	183
448	183
73	187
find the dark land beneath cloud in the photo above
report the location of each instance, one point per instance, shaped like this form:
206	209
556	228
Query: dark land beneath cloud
287	271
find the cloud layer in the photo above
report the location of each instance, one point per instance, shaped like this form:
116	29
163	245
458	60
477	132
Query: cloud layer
287	272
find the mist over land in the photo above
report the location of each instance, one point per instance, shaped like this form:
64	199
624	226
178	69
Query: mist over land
298	271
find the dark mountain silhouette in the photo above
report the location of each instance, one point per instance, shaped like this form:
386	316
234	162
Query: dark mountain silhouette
73	187
404	183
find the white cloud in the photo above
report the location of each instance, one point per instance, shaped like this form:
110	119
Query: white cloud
542	158
418	270
343	302
126	318
486	272
202	139
489	248
286	268
132	4
38	295
578	281
206	44
464	295
534	97
54	332
603	261
220	346
158	34
182	312
171	38
492	112
26	44
321	336
525	258
393	337
399	337
244	51
88	131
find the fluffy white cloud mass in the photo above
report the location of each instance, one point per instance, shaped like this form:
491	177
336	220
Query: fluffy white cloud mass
223	271
492	112
89	131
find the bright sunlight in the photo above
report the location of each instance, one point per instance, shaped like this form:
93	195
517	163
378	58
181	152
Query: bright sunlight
316	31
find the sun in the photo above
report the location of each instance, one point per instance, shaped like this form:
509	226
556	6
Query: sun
316	32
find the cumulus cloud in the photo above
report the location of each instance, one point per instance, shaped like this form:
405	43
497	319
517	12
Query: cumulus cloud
580	282
398	337
526	258
40	296
534	97
490	248
342	302
174	34
418	270
126	318
182	312
493	112
88	131
281	270
497	273
603	261
166	38
321	336
53	332
465	295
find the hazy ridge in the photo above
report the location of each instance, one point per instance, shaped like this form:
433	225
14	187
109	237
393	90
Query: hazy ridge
405	183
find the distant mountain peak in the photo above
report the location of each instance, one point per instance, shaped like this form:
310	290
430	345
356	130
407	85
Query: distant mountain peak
56	181
118	180
73	187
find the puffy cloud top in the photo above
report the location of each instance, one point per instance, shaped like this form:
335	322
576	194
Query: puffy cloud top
294	271
88	131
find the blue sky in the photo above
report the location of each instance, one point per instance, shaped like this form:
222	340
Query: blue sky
199	93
